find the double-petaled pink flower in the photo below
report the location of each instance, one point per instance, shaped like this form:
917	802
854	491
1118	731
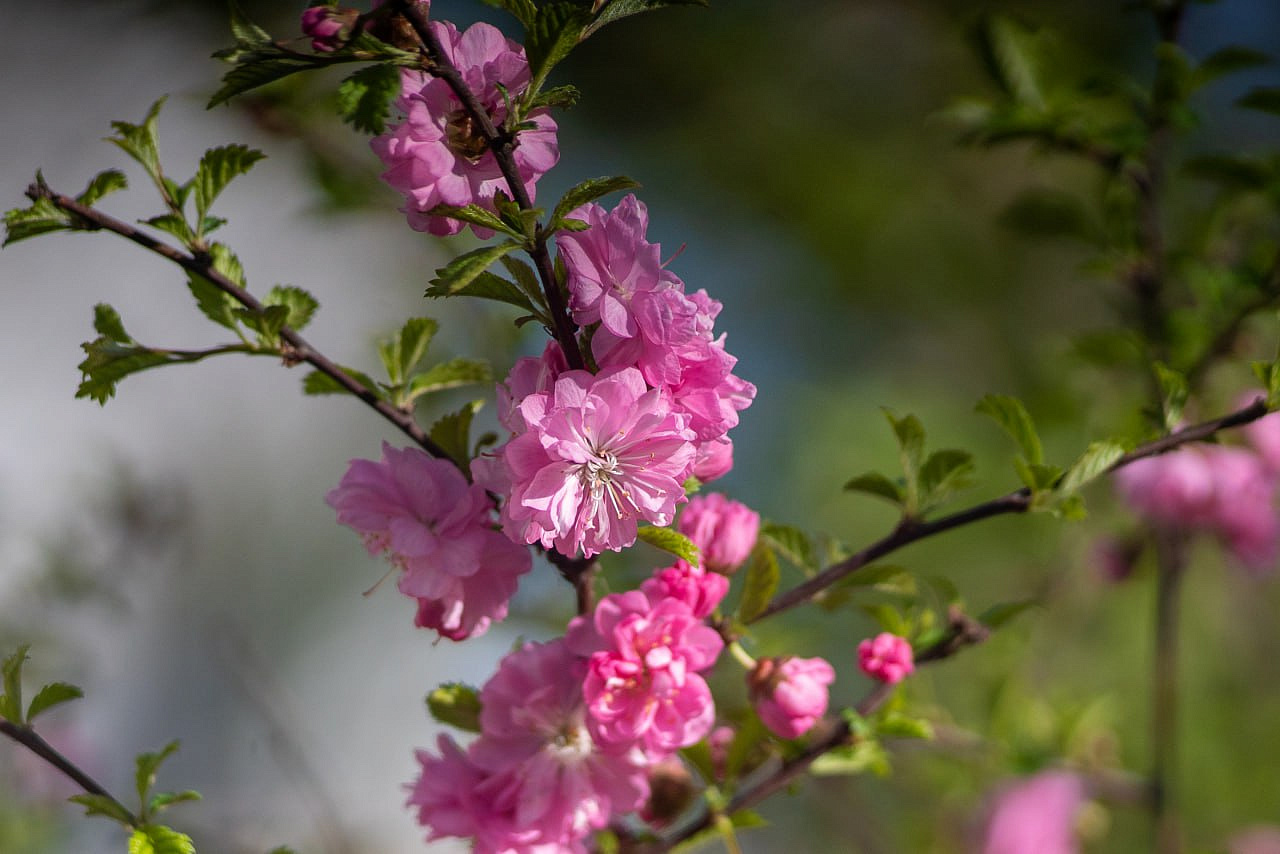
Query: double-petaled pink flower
702	591
599	455
437	155
886	657
723	529
423	515
790	694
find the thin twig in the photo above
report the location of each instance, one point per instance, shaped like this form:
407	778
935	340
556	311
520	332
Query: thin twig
30	739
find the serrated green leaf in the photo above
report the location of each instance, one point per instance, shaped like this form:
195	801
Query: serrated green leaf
402	353
258	67
1014	419
944	472
486	285
107	362
365	97
1226	61
161	802
218	168
139	141
453	432
898	725
11	671
102	184
42	217
301	304
456	705
172	223
451	374
560	97
476	215
145	767
316	383
526	280
762	577
1000	614
589	191
51	695
866	755
555	30
618	9
106	321
266	322
246	31
225	262
465	269
670	540
874	483
1264	98
792	543
1093	463
213	302
104	806
156	839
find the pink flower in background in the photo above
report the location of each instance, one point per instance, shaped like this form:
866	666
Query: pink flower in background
328	26
642	686
724	530
535	780
1259	839
714	459
423	515
1263	434
1176	488
529	375
436	155
601	454
790	694
702	591
1036	815
718	743
886	657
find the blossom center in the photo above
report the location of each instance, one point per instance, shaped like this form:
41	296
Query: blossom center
571	743
463	136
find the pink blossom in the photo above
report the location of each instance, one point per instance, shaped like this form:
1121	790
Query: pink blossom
534	781
702	591
1176	488
328	26
724	530
886	657
529	375
714	459
790	694
601	453
718	743
642	685
1263	434
436	155
432	524
1258	839
1036	814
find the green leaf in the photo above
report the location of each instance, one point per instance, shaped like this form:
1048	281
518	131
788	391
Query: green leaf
866	755
246	31
451	374
884	576
561	97
476	215
589	191
11	671
1012	54
1093	463
944	472
465	269
106	321
898	725
145	767
792	543
555	30
488	286
105	806
364	97
1037	477
218	168
102	184
174	224
107	362
43	217
1265	99
402	353
258	67
874	483
998	615
456	705
156	839
139	141
1226	61
224	261
670	540
51	695
453	432
213	302
888	618
1014	419
618	9
1174	391
316	383
161	802
301	305
266	322
525	11
762	577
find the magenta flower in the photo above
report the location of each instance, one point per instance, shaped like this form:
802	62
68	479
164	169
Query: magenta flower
714	459
530	375
642	685
724	530
886	657
534	780
601	454
432	524
702	591
790	694
1036	814
1176	488
436	156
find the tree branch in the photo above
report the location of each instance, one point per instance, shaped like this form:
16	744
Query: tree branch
30	739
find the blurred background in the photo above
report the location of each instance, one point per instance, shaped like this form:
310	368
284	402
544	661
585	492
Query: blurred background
171	552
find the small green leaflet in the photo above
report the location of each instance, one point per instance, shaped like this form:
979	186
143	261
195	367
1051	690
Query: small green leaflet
301	306
456	705
792	543
1000	614
104	806
102	184
51	695
453	433
363	98
445	375
670	540
139	141
762	577
589	191
218	167
1093	463
402	353
463	270
1014	419
157	839
146	766
43	217
11	700
556	28
619	9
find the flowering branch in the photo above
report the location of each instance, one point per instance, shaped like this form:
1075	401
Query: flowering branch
30	739
910	530
502	143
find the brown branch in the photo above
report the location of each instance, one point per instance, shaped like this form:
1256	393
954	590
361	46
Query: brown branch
911	530
30	739
502	143
298	350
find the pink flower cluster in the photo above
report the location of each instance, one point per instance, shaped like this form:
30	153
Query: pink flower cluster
437	154
423	515
1229	492
886	657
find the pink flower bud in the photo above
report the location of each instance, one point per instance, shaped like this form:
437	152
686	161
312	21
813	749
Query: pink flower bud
702	591
790	694
723	529
714	460
328	26
886	657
